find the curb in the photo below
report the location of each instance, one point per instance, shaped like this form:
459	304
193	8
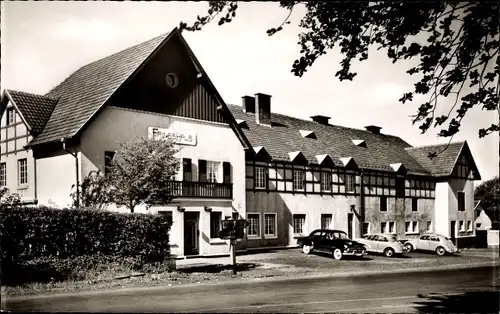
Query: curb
259	280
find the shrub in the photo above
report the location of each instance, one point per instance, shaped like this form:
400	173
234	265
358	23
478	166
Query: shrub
33	233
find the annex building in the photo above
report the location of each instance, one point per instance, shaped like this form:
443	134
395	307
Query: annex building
286	176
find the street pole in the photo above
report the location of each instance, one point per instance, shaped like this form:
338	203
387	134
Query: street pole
233	254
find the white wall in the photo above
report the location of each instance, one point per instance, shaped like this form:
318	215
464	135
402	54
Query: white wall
440	223
55	176
214	142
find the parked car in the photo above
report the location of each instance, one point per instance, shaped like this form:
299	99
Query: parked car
431	242
382	243
335	242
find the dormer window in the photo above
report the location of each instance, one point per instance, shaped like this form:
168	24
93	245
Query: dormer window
242	123
307	134
359	143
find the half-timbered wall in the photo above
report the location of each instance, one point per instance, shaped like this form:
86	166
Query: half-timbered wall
17	165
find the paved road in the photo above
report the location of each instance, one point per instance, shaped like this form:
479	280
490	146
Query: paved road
464	291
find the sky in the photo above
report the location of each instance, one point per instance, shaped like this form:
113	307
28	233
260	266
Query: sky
44	42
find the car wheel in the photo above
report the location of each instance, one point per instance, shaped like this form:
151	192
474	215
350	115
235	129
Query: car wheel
306	249
440	251
337	254
408	247
389	252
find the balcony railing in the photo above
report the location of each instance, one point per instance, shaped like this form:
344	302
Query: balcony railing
201	189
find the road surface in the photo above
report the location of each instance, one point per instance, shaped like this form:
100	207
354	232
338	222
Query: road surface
464	291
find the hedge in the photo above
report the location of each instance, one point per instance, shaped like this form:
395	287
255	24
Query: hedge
29	233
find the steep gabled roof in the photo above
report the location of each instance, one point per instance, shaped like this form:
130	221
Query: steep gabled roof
83	93
284	137
444	163
34	109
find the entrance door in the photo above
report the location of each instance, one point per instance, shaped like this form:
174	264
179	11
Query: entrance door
350	218
191	232
452	231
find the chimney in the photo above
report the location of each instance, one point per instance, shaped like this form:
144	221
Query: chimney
263	109
373	128
321	119
248	104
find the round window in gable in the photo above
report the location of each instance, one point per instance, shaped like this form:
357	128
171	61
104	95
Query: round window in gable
172	80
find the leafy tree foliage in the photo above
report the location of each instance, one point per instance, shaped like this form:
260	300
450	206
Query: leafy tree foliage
8	198
488	193
94	192
461	47
140	171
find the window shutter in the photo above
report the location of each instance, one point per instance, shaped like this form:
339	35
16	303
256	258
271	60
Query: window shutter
226	172
202	170
187	169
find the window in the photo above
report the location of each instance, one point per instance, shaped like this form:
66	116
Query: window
392	227
298	179
326	181
187	169
429	225
461	201
350	183
383	203
461	225
469	225
11	116
270	225
108	157
299	222
326	221
213	171
215	224
411	227
434	238
167	214
254	225
260	177
366	228
414	204
22	168
3	174
383	227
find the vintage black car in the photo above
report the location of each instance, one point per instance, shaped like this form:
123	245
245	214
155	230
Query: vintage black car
335	242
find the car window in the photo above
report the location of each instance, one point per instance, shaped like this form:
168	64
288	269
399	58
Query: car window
434	238
383	239
315	233
372	237
329	236
424	237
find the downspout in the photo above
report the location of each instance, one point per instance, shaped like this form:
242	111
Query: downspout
63	140
361	203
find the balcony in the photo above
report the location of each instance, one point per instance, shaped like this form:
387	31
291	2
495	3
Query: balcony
201	189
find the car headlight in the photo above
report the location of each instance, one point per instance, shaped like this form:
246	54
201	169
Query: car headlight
345	246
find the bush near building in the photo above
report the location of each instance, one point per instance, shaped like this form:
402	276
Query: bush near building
41	244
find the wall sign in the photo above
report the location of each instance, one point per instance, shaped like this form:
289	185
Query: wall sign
179	137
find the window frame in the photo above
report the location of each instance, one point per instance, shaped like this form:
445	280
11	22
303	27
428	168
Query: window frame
263	172
367	223
3	174
11	113
461	226
383	200
330	216
217	174
302	183
275	234
393	225
20	169
414	204
384	226
325	185
254	236
350	184
460	201
303	224
212	234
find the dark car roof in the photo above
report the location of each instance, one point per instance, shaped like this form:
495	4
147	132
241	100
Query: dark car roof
329	230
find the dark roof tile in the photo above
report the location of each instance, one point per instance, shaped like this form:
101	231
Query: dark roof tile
36	109
380	152
443	163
